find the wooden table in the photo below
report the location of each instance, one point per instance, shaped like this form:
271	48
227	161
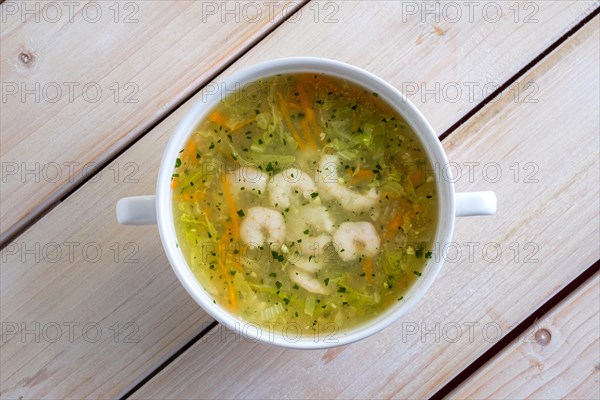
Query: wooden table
91	92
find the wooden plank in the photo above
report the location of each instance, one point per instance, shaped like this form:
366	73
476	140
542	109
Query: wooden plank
475	300
559	357
146	292
145	57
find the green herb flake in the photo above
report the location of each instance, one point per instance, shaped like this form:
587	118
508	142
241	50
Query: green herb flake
419	252
326	281
341	289
177	163
241	213
278	285
428	254
314	195
277	256
286	300
417	273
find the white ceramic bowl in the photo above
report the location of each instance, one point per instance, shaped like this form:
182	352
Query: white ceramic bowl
158	208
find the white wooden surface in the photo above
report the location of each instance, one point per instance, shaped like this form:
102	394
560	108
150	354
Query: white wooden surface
146	293
558	358
145	56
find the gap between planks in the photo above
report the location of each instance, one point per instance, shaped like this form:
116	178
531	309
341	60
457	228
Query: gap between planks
526	323
520	73
513	334
63	193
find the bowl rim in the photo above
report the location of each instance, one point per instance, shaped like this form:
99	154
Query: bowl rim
395	99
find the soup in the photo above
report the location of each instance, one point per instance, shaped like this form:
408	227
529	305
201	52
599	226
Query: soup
304	200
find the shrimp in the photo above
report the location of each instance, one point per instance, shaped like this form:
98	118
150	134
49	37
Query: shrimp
316	217
262	225
308	264
308	281
249	179
306	221
290	180
309	253
330	187
314	245
356	239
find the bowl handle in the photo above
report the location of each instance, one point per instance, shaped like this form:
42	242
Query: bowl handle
475	203
139	210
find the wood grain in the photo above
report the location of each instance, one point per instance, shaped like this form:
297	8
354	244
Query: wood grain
146	293
144	56
564	365
474	300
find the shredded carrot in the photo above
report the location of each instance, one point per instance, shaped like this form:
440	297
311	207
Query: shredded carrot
223	243
196	196
218	118
362	175
394	224
367	268
174	182
308	110
189	152
415	178
235	219
232	297
286	117
308	135
295	107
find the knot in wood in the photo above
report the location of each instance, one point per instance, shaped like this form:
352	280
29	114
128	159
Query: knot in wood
543	336
25	57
